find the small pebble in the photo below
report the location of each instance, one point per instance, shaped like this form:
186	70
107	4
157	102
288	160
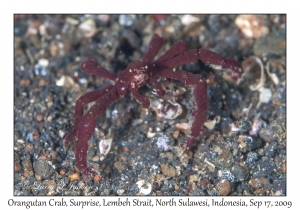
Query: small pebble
267	134
184	127
194	178
223	187
252	26
225	159
27	165
17	166
39	117
38	177
96	178
238	172
204	183
260	182
176	134
73	177
120	191
184	159
42	168
118	165
54	154
62	171
169	171
96	158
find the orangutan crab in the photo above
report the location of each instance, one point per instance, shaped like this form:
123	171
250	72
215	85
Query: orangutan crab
137	74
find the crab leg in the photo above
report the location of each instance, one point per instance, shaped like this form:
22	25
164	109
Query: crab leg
90	97
91	66
218	62
200	98
142	99
85	124
176	49
85	99
154	47
181	59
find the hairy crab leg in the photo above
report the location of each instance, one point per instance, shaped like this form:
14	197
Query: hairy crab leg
90	97
181	59
176	49
85	99
85	124
142	99
230	67
200	98
92	66
155	44
218	62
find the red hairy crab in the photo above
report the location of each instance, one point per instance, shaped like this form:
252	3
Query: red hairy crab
138	74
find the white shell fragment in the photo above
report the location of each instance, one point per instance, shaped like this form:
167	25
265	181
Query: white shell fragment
273	76
43	62
145	188
65	81
20	141
150	134
253	65
61	133
88	28
166	109
234	128
211	124
168	112
265	95
188	19
105	146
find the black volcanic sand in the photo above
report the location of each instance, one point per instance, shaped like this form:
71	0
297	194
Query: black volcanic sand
230	159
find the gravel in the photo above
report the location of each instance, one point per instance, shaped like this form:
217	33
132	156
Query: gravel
145	157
